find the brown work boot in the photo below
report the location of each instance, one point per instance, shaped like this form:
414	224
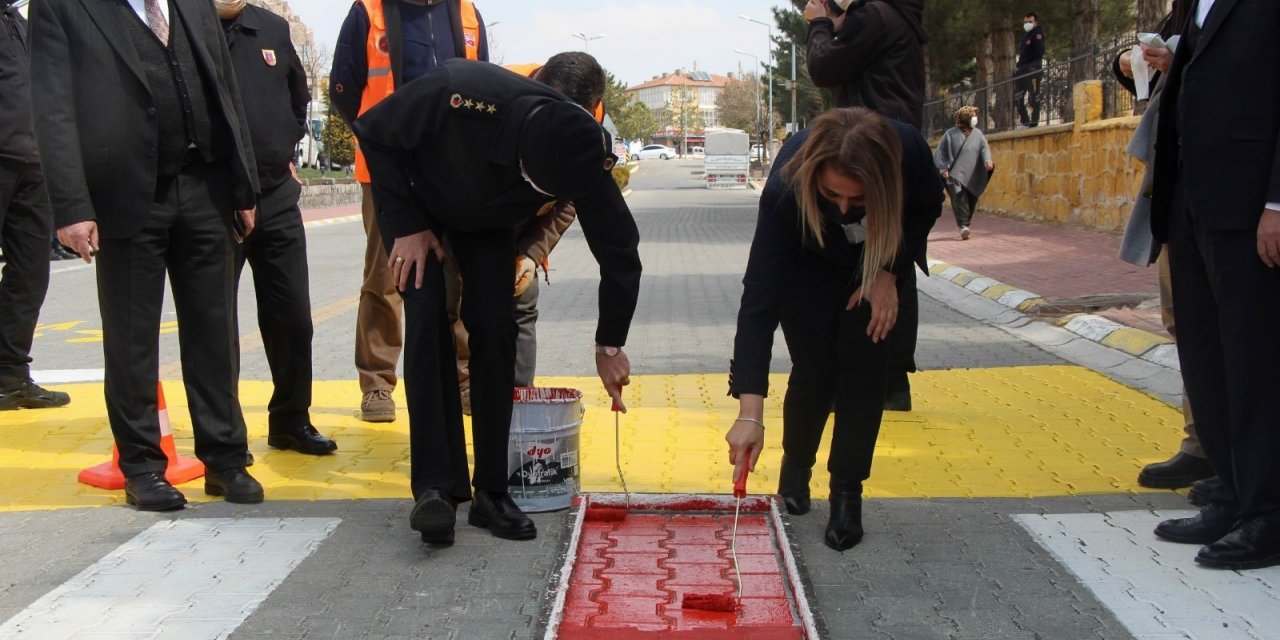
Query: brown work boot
377	406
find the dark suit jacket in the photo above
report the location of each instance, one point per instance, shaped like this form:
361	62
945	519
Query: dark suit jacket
789	273
1220	118
95	123
442	151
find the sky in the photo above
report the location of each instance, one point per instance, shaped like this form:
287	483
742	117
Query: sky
644	38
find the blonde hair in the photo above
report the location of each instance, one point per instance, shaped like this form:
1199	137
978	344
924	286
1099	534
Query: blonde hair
863	146
963	115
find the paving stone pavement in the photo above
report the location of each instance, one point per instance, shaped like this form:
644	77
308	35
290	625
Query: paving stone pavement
953	568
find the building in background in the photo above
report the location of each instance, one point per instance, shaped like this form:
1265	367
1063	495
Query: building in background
684	104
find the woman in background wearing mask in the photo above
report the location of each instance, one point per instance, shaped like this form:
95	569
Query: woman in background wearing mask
964	159
844	214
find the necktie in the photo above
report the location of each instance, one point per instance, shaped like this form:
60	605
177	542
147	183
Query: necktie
155	19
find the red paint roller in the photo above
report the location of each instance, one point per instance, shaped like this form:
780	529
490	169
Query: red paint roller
717	601
612	514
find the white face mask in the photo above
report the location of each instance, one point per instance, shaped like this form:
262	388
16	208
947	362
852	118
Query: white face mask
228	9
973	122
1028	26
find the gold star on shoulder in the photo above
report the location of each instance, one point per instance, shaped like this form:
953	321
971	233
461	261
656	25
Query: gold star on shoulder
493	108
480	106
468	103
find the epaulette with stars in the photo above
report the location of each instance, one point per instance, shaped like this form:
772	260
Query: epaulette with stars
473	105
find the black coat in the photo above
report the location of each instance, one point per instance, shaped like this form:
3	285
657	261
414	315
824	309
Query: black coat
786	268
1220	118
17	138
273	87
442	152
96	126
877	59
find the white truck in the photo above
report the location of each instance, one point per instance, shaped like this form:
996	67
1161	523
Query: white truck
727	162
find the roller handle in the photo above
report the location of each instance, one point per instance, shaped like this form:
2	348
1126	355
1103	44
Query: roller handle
740	483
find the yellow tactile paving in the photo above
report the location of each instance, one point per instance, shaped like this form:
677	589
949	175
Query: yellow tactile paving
1012	432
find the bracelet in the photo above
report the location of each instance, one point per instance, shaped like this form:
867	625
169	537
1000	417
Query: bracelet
751	420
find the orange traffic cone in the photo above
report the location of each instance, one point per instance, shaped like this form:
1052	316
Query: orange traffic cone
181	469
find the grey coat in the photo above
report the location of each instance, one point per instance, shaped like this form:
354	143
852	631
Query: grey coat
1139	246
965	158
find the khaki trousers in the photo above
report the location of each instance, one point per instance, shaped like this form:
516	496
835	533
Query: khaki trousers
378	332
1190	442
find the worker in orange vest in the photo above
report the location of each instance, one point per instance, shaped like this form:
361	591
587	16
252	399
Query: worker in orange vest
384	44
534	243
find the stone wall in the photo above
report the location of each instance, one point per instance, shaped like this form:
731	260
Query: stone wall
1077	174
328	192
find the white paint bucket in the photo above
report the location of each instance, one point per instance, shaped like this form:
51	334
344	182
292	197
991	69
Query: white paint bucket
542	450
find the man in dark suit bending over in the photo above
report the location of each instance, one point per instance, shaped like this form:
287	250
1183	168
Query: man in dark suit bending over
148	163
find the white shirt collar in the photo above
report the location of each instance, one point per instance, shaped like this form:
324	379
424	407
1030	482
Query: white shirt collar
1202	11
140	7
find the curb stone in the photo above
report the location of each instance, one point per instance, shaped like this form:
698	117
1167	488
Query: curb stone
1135	342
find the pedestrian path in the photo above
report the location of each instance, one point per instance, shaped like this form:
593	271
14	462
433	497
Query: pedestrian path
1001	432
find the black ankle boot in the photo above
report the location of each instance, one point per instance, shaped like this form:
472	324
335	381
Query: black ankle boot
793	486
844	529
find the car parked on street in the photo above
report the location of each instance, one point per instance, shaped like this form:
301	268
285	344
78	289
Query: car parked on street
659	151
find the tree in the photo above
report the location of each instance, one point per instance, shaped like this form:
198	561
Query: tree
339	142
635	122
616	99
682	113
738	104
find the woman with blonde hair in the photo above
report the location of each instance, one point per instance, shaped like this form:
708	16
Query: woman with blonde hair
843	216
964	160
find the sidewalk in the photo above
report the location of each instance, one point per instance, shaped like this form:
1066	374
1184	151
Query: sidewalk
1066	275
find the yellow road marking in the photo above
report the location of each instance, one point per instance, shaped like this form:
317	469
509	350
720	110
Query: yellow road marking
1014	432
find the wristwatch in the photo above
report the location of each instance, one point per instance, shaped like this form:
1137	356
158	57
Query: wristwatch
608	351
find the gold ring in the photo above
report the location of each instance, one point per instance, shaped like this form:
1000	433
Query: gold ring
399	259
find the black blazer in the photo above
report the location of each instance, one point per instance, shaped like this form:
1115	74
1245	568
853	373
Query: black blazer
1220	118
94	124
788	273
442	152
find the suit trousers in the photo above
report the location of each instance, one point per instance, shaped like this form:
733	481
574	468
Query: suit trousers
436	435
277	253
187	234
833	362
526	317
1190	444
25	221
1225	300
378	338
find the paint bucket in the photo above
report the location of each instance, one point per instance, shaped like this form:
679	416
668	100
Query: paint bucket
542	450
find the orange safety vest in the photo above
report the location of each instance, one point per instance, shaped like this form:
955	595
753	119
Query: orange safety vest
528	69
379	82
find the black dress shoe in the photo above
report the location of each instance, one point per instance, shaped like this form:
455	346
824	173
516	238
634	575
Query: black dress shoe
500	515
151	492
1213	522
1201	490
29	395
59	252
844	529
1175	473
793	486
434	515
235	484
1254	545
897	392
303	438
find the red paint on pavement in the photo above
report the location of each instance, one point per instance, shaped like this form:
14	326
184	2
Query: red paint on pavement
629	577
325	213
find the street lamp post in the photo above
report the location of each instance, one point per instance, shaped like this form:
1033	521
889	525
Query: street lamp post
769	133
586	39
759	133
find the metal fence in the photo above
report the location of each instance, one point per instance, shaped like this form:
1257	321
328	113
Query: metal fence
996	101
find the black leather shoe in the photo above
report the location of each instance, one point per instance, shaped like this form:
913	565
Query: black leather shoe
29	395
303	438
1201	490
1254	545
59	252
235	484
1182	470
151	492
500	515
793	486
844	529
1213	522
897	392
434	515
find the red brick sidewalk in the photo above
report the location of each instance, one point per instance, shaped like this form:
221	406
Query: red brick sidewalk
336	211
1053	261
